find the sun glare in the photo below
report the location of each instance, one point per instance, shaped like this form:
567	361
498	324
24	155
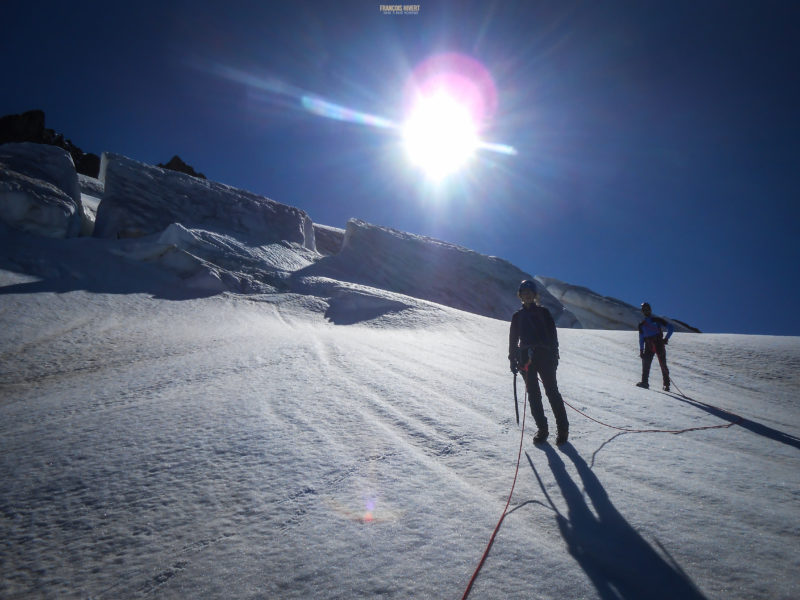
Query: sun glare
449	102
440	135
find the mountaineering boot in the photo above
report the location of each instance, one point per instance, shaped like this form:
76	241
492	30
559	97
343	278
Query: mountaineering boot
561	438
666	387
643	384
540	436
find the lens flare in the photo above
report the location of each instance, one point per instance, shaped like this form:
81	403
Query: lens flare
368	514
463	78
323	108
449	101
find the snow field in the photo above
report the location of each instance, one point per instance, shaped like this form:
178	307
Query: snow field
248	447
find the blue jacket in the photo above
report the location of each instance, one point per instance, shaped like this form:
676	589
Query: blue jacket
651	326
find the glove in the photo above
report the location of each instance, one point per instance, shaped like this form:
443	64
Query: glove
641	353
514	368
666	341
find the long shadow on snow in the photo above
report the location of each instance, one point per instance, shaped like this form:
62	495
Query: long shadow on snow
357	308
346	305
620	563
84	264
756	428
164	290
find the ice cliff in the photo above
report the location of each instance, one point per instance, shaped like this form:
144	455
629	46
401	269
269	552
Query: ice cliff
216	238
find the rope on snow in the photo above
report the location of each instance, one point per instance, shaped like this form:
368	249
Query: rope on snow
624	429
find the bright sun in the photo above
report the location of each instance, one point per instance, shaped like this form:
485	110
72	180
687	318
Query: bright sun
440	134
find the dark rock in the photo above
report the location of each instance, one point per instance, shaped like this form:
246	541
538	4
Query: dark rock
88	164
176	164
29	127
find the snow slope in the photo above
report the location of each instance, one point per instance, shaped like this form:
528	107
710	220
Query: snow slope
246	446
209	411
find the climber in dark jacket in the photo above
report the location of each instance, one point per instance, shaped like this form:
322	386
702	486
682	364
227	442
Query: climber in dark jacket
652	341
533	350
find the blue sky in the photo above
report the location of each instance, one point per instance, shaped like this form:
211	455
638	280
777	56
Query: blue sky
658	143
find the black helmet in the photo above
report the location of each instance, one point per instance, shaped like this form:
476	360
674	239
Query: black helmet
527	285
646	305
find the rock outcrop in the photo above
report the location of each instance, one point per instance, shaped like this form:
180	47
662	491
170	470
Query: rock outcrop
177	164
30	127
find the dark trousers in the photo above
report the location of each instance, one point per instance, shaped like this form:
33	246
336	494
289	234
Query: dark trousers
654	346
544	365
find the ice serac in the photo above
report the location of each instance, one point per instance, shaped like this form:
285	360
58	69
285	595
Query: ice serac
329	239
39	190
141	199
595	311
430	269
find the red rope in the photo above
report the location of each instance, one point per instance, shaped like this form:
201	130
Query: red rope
519	456
505	510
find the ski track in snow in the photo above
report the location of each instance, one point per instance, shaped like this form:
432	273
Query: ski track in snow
231	448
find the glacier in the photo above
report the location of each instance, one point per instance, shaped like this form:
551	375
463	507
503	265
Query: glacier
194	407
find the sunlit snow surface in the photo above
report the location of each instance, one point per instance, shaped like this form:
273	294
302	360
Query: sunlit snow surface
229	407
234	447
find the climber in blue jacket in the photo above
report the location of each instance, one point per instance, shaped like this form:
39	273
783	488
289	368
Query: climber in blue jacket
652	342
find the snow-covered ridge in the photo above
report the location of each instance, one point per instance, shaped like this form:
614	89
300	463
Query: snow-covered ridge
140	199
594	311
328	239
430	269
216	238
39	190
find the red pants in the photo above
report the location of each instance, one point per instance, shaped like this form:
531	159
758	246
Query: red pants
654	346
